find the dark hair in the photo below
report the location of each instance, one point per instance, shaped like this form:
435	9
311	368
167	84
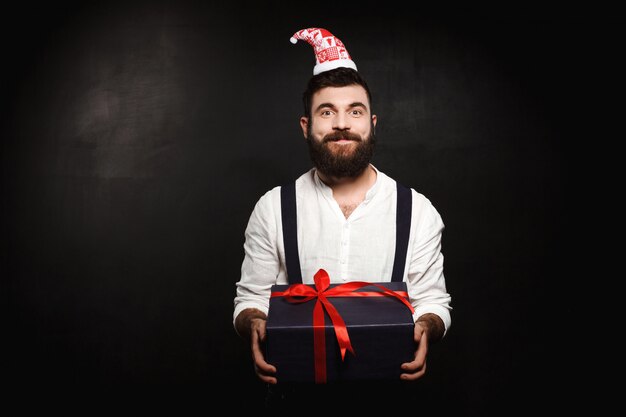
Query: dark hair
338	77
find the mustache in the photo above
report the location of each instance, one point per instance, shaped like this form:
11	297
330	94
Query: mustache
336	136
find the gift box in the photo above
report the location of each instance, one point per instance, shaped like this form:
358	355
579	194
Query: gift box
376	340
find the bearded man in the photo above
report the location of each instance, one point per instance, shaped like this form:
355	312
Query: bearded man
346	223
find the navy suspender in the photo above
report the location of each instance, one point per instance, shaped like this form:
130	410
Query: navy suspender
290	231
403	229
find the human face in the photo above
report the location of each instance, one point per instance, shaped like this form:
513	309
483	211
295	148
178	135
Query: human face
340	132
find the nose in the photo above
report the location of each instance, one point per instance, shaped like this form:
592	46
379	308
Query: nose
341	121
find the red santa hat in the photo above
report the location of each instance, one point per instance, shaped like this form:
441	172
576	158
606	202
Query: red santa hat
330	52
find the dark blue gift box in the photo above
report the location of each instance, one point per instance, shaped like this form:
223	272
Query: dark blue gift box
380	330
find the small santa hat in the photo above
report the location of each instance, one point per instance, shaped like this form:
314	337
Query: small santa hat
330	52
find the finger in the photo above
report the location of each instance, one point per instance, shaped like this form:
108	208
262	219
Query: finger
261	332
412	366
259	360
422	349
418	333
267	378
420	356
414	375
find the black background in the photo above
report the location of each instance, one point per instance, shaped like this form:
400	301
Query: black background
136	138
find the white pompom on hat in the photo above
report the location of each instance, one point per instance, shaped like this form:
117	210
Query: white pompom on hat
330	52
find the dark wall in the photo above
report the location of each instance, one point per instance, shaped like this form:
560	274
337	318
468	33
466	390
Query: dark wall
136	139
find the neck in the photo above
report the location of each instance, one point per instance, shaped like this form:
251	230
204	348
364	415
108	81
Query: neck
348	185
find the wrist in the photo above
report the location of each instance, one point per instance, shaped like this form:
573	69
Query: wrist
433	326
243	322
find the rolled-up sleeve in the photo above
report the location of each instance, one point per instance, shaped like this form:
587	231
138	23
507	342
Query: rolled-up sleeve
261	263
425	280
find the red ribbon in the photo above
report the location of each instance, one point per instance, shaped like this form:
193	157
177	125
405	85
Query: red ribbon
301	293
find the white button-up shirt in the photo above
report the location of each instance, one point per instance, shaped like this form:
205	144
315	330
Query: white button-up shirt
359	248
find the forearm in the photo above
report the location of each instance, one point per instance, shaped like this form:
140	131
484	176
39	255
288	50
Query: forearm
244	319
433	325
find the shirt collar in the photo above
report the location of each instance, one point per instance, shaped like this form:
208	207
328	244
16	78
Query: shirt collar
329	191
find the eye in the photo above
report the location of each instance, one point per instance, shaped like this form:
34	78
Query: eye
326	113
356	112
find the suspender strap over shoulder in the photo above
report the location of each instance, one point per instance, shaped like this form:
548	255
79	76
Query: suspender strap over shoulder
403	229
290	231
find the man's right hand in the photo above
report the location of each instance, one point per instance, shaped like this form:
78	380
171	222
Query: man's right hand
250	325
265	371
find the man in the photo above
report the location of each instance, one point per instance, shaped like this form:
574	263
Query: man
346	218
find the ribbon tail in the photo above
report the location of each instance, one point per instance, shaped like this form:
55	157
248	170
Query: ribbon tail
341	330
319	343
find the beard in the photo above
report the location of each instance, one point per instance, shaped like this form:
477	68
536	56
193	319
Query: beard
341	161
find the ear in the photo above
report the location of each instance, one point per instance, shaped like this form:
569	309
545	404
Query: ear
374	119
304	124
